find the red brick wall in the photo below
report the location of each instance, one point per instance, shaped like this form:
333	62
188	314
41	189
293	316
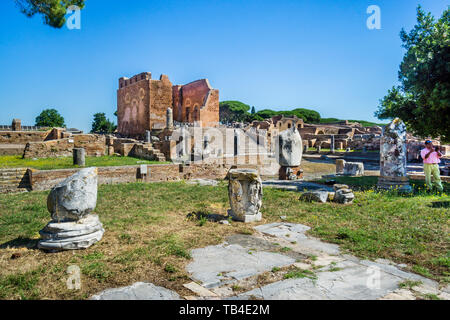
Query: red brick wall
160	100
133	104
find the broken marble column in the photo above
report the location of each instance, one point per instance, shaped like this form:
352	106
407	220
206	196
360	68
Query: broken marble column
245	194
148	136
290	151
79	157
169	118
71	203
393	174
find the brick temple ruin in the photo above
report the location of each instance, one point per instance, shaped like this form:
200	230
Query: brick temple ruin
142	104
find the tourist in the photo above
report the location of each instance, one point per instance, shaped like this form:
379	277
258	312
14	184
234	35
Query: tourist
430	155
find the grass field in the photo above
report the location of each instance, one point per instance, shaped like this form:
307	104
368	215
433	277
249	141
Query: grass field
67	162
148	234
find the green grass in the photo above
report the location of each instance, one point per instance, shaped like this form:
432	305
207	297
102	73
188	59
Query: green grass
149	235
300	273
67	162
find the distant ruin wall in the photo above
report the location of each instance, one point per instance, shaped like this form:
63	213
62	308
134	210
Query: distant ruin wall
22	137
95	145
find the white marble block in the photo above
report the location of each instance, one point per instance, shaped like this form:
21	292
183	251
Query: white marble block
245	194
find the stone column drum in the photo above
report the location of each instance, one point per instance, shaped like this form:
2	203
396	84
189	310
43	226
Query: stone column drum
70	204
393	157
290	152
245	194
169	118
79	157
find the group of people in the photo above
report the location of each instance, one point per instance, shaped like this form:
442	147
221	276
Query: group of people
431	158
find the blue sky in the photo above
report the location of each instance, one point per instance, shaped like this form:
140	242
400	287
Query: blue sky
317	54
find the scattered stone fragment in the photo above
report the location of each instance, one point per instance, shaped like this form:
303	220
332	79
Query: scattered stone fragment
224	222
338	186
204	182
317	196
198	289
354	169
344	196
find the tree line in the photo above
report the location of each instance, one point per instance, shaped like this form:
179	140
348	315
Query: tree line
53	119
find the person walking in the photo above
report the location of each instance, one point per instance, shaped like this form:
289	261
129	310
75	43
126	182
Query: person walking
431	158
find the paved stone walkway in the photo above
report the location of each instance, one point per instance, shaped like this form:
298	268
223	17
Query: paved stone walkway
279	261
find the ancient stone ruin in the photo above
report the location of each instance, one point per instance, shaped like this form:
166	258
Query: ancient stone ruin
343	194
353	169
70	204
290	150
393	157
245	194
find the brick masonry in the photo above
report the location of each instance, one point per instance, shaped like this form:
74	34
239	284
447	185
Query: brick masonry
95	145
142	103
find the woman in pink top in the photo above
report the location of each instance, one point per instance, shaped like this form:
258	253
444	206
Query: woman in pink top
431	158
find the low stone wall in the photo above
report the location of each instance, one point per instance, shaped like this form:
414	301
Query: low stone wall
95	145
11	149
41	180
23	137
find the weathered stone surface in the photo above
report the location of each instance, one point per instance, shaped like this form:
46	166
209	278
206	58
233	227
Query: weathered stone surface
337	276
137	291
296	232
75	197
353	169
344	196
245	194
351	283
70	204
393	157
290	148
318	196
217	265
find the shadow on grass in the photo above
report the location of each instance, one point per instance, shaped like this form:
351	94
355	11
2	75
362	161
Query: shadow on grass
20	242
203	215
440	204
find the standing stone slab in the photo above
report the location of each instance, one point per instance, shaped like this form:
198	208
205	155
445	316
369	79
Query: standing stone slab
290	148
245	194
70	204
393	157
